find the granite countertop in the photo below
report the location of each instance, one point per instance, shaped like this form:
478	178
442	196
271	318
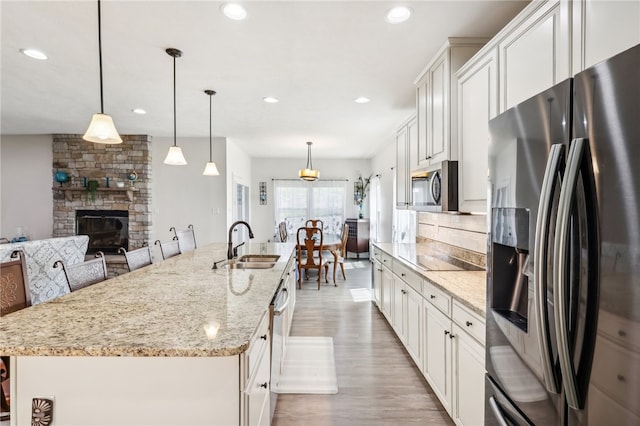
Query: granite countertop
468	287
159	310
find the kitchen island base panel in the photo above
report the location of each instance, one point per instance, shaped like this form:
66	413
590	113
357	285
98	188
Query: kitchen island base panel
141	391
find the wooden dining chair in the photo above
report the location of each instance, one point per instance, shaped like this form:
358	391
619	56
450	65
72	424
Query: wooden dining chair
342	253
84	274
315	223
14	285
282	231
309	253
137	258
169	248
186	238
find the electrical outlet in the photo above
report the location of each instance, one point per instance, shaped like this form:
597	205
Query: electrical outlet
42	411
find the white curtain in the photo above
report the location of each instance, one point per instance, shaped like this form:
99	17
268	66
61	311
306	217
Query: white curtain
297	201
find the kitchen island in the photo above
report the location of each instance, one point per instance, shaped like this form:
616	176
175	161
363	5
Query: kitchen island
176	342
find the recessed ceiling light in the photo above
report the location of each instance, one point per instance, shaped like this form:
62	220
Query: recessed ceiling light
398	14
139	111
362	100
33	53
234	11
271	100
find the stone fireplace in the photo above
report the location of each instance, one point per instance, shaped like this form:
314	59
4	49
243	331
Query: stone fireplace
84	161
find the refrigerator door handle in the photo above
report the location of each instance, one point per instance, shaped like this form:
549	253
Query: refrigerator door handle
567	192
497	412
543	224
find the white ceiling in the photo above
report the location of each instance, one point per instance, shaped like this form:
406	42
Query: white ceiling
315	56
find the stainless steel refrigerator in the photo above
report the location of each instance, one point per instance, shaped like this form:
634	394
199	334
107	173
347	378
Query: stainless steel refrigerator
563	290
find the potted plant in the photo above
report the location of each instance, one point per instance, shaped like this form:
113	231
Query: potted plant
92	187
360	193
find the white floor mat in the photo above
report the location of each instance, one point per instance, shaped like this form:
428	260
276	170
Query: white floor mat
309	367
361	294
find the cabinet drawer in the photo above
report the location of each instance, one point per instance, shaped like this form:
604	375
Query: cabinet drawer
386	260
469	321
377	253
259	343
407	275
614	373
437	297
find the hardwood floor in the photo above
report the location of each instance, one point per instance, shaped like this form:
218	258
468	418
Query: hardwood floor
378	383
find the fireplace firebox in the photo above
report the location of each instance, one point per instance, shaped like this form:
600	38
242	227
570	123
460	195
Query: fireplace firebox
108	230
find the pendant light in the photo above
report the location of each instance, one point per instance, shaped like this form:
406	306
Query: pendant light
101	129
210	169
174	156
309	173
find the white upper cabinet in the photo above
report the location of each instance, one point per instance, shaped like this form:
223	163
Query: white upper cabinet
477	104
602	29
436	102
535	55
405	137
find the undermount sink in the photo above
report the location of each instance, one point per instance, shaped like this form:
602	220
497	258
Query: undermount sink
250	265
259	258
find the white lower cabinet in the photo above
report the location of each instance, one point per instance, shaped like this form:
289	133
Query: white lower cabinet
256	365
468	353
376	284
454	361
407	311
437	354
413	326
386	288
398	308
444	338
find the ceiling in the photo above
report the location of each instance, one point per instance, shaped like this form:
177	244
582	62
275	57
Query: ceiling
315	56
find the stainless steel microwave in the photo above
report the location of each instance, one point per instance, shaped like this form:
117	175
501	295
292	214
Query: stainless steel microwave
436	188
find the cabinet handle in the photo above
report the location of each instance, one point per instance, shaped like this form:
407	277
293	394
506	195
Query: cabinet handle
380	270
429	157
433	296
451	336
402	274
384	260
403	291
446	332
264	385
469	323
263	337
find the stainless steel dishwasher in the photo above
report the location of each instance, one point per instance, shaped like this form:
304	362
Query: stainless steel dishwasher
279	325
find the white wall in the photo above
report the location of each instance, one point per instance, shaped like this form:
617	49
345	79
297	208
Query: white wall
383	164
181	195
267	169
26	178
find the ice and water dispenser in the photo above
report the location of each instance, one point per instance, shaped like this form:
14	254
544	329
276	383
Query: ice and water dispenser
509	289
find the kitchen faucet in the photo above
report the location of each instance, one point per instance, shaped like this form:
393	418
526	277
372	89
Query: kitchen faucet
233	251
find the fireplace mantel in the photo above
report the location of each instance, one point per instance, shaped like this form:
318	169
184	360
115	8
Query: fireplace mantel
68	191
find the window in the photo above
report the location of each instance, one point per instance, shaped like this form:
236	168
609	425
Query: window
297	201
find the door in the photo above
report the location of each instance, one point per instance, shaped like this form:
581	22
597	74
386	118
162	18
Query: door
241	211
437	367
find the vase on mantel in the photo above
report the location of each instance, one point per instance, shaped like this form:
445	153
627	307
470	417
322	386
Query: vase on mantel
360	213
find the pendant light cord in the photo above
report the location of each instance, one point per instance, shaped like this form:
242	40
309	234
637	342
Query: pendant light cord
309	163
210	131
174	101
100	57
